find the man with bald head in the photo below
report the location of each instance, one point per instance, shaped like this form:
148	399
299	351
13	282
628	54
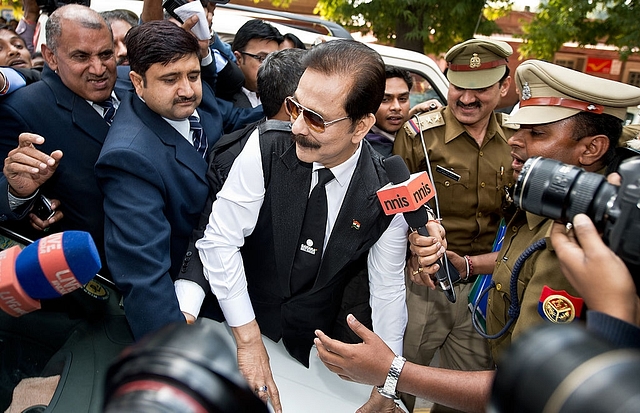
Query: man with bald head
68	109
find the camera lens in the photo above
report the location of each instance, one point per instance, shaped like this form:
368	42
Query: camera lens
553	368
180	369
559	191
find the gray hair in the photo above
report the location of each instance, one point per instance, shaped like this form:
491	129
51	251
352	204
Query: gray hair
86	17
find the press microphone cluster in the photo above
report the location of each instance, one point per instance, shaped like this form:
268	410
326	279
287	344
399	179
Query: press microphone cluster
407	194
49	268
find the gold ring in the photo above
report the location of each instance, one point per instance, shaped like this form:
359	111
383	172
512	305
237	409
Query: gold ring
418	271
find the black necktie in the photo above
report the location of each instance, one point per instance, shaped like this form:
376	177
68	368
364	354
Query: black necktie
309	253
109	110
199	137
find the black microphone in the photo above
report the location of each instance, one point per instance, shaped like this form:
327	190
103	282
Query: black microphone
417	219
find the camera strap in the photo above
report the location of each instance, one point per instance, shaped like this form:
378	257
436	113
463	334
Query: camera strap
514	306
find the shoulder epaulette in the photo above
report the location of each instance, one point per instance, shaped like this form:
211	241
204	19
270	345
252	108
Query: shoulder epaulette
503	121
423	121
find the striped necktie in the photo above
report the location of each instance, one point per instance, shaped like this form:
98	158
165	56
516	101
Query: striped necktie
109	110
199	137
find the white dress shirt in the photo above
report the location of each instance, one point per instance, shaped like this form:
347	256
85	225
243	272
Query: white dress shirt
253	97
235	214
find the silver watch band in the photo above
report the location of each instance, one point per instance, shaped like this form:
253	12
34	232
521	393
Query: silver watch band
390	384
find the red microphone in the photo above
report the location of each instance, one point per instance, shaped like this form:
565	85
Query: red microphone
48	268
407	194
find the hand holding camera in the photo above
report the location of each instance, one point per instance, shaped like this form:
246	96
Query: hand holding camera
598	274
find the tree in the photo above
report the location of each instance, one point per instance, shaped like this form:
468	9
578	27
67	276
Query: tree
426	26
615	23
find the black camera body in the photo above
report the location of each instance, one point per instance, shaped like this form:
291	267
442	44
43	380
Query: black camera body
559	191
48	6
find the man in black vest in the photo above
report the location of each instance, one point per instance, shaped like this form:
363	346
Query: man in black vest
263	287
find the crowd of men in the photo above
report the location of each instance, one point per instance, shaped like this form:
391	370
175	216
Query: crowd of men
126	129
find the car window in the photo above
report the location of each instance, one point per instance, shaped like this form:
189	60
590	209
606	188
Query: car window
423	90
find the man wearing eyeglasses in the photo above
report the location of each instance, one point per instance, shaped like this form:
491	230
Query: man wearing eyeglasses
251	45
252	248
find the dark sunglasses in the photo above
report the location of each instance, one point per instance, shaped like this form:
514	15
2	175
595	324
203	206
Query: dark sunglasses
258	57
314	120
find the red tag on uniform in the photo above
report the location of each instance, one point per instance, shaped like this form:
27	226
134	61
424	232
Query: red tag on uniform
559	306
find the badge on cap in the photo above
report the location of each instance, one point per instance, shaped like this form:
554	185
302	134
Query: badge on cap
559	307
475	61
526	91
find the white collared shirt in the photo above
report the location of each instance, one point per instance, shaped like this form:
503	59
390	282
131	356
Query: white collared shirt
183	126
252	96
100	109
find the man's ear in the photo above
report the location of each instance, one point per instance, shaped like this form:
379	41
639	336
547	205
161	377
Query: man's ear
49	57
594	149
138	83
238	56
504	86
362	127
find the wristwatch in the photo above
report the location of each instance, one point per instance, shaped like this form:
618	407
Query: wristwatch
389	388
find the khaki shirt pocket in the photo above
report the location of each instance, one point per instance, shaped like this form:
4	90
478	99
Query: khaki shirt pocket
453	194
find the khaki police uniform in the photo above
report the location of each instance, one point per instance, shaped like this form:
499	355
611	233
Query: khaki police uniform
470	207
559	304
549	93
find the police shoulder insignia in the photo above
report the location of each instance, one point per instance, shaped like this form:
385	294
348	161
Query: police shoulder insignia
423	121
559	306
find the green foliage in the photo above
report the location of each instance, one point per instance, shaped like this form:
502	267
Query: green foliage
615	23
428	26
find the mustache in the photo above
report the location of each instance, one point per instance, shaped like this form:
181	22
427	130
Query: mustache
305	142
470	105
184	100
98	78
124	60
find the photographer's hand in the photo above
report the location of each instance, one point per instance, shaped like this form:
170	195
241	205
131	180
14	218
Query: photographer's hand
598	274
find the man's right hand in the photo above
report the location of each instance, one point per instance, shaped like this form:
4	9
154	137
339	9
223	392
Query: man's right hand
425	253
26	168
253	362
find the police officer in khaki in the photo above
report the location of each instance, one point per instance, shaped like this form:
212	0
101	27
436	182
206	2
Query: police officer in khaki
469	139
565	115
574	118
